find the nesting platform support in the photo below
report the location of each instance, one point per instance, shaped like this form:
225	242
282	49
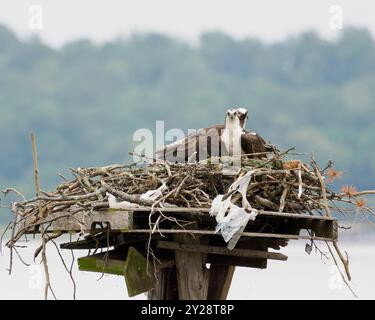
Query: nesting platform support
165	285
220	281
183	250
189	278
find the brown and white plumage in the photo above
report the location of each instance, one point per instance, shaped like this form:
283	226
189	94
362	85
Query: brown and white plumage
190	149
251	142
217	140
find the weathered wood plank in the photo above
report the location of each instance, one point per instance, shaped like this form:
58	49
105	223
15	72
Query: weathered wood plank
244	234
118	220
288	225
246	253
220	280
99	263
139	276
165	285
192	274
244	243
255	263
105	240
133	268
204	211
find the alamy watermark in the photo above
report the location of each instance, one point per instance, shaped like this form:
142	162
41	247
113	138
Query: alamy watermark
198	145
36	279
335	281
35	17
336	17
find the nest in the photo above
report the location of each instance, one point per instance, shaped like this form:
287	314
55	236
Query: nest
276	184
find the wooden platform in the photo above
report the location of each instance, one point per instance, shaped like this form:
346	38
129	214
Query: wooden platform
268	224
182	250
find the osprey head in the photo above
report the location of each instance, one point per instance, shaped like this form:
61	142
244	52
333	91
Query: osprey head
231	114
242	116
231	119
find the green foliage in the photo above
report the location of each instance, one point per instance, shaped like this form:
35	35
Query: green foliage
84	101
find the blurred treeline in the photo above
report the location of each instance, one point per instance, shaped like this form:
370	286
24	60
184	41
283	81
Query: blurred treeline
84	101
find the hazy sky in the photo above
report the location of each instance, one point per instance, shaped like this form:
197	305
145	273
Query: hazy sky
102	20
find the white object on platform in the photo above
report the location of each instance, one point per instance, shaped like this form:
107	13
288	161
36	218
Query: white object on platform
152	195
113	204
237	218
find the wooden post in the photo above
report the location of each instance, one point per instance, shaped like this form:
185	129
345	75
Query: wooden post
220	280
165	285
192	274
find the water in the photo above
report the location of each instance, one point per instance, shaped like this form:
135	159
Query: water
301	277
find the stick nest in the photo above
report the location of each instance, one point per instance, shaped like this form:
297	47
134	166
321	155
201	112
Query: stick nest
278	184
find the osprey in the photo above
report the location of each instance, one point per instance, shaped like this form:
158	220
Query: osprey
251	142
219	140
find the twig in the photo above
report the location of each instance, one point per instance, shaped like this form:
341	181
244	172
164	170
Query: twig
19	257
69	270
282	199
44	242
15	210
49	238
341	274
345	261
7	190
2	236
